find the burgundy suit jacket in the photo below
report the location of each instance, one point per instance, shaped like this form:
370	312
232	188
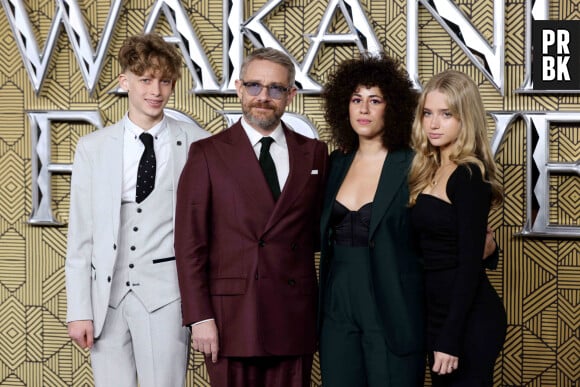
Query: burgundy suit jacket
244	259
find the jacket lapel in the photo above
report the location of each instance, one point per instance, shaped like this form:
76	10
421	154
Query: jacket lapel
339	165
239	157
113	161
300	156
393	175
179	150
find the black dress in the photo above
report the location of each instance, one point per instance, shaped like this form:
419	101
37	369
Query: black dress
465	316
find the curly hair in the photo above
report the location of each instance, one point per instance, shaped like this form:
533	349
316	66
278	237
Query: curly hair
141	53
472	144
370	70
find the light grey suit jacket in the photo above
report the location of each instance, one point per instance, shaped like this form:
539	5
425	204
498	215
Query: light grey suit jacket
94	219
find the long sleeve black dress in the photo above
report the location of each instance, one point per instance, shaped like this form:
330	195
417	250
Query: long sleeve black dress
465	316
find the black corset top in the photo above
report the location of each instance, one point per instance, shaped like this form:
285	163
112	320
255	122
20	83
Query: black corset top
351	228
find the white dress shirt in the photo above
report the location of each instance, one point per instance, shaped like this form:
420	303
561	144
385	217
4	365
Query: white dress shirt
133	148
278	149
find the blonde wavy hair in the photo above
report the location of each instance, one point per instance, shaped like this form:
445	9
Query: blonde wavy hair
472	145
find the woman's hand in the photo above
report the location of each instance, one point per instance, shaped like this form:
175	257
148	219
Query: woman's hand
444	363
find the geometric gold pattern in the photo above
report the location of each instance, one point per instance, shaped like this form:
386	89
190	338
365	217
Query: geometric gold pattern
538	279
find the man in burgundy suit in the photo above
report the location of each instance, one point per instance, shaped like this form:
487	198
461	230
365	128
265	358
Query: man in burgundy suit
246	231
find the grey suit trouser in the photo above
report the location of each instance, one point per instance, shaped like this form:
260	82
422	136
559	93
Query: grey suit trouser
137	345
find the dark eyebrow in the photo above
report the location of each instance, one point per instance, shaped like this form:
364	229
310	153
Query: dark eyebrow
370	96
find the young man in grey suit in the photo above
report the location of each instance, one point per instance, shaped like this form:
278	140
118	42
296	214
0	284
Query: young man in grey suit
122	290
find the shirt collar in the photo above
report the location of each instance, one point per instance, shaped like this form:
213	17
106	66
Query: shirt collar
136	131
255	137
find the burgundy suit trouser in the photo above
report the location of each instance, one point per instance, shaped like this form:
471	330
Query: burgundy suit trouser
274	371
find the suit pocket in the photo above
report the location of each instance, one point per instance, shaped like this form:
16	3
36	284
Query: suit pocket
227	286
162	260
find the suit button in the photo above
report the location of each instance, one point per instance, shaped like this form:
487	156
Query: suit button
293	246
135	229
131	266
178	143
127	283
261	243
291	282
109	279
114	246
139	210
371	244
133	248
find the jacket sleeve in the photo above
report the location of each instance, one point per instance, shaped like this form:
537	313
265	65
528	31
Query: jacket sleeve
471	198
192	236
78	270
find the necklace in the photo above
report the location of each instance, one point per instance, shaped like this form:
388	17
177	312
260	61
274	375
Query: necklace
435	180
438	174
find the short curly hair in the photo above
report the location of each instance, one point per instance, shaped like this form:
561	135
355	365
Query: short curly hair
145	52
370	70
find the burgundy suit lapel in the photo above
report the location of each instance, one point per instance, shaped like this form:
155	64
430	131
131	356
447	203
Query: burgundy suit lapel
238	155
300	159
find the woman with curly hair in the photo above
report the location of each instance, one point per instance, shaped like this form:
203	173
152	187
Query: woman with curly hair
453	183
371	305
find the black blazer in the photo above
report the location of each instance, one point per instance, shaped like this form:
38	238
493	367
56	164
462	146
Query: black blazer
396	269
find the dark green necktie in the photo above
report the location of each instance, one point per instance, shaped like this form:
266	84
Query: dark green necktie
268	166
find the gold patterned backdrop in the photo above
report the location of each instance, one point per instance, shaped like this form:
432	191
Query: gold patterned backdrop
539	279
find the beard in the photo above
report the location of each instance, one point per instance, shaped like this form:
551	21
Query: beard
265	122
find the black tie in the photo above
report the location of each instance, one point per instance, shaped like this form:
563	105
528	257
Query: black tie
146	171
268	166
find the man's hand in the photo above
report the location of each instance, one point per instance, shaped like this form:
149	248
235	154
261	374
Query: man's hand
81	332
444	363
204	338
490	244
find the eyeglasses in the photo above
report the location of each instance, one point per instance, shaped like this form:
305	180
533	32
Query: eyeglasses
274	91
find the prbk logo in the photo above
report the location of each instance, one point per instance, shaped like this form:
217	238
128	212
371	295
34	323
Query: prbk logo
556	55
